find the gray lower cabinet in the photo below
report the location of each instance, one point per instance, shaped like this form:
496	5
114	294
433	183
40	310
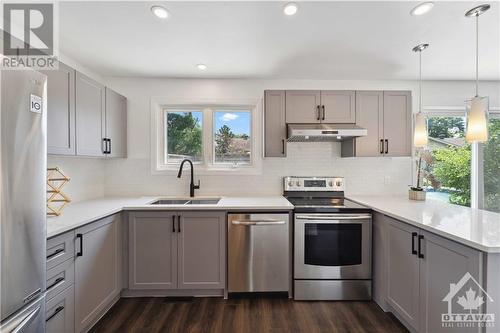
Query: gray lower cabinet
274	123
152	250
201	250
97	270
60	312
421	268
444	263
90	116
116	124
403	281
61	110
177	250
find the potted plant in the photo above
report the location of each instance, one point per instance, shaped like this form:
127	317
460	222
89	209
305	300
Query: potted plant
417	192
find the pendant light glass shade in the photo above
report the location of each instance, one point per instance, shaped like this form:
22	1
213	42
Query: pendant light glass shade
477	120
420	137
477	107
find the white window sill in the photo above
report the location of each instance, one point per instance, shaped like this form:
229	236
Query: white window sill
210	170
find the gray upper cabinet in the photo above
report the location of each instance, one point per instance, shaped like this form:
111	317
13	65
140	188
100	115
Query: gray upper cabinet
387	117
61	110
201	250
370	115
90	116
116	124
403	271
97	270
397	123
303	106
152	250
338	106
274	123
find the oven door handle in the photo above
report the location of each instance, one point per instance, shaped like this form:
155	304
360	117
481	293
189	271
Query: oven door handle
259	222
334	217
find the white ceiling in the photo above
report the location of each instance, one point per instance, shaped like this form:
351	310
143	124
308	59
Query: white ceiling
325	40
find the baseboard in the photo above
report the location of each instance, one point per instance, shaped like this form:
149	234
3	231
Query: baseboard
173	293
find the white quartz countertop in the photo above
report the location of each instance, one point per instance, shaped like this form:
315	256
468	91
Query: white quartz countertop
476	228
80	213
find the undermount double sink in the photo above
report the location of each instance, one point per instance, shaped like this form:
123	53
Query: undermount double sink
182	202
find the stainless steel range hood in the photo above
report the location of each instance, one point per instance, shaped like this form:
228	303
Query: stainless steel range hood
323	132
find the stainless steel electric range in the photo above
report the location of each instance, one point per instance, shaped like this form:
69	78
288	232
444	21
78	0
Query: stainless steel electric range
332	241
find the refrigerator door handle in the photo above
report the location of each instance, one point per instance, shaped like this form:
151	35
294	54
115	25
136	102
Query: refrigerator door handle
31	296
26	321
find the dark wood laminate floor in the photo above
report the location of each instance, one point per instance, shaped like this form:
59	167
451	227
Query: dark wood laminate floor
252	315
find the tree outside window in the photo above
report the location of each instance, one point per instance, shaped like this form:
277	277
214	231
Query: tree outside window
184	136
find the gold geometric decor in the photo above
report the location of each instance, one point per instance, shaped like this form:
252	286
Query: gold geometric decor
56	199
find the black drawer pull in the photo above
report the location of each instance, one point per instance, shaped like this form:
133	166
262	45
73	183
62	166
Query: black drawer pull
386	146
80	252
173	223
381	146
58	309
420	254
55	283
179	220
413	235
318	113
55	253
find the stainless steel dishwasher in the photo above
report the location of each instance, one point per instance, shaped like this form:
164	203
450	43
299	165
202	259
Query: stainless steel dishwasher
258	252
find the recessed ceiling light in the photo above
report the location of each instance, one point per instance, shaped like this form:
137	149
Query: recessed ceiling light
422	8
290	8
160	12
201	67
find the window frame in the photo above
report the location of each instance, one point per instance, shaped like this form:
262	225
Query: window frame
477	157
158	106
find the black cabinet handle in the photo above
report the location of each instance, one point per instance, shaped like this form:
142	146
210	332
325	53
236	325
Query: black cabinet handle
173	223
283	146
58	309
386	146
317	113
179	225
80	252
413	235
109	147
55	283
381	146
420	254
55	253
323	108
104	146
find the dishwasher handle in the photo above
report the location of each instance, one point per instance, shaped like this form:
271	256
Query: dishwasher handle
258	222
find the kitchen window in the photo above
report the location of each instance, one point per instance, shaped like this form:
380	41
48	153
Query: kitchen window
458	172
217	138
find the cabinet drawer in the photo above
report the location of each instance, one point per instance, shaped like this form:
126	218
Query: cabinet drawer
60	277
60	249
60	314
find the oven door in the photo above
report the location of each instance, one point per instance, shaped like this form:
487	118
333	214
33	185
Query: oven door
332	246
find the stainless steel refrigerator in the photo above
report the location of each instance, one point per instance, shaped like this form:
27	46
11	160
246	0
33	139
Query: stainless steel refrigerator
22	182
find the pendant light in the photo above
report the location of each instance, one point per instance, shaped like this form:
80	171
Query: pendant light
477	107
420	137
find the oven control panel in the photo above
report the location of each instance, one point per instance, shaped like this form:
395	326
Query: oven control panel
314	184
